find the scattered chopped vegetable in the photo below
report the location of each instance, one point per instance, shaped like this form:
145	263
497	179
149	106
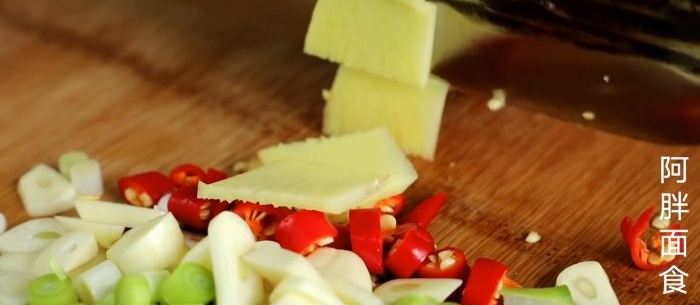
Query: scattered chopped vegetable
114	213
32	235
263	219
133	289
305	230
413	299
293	267
3	223
86	178
52	289
448	262
190	283
191	211
93	285
436	289
366	238
588	284
393	205
68	159
70	250
426	211
646	255
44	191
145	189
484	282
342	239
409	250
154	245
105	234
214	175
559	295
533	237
342	264
187	175
235	282
14	287
275	263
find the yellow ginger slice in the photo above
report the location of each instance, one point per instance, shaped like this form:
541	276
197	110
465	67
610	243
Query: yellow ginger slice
360	101
297	184
373	151
397	39
390	38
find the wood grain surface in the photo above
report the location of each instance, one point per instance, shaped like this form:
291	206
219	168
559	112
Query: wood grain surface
144	85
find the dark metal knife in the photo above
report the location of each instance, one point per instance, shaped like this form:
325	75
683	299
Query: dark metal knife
611	58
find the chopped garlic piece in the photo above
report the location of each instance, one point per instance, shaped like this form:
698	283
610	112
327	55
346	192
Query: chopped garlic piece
533	237
588	115
388	222
497	101
660	223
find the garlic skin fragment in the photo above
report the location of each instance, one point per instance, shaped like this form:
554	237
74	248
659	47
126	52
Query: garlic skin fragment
86	178
44	191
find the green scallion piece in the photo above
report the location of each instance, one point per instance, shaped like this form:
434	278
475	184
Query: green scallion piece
50	289
133	289
190	283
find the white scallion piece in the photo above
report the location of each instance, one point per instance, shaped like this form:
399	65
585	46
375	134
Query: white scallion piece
86	177
44	191
70	251
14	287
31	235
17	261
68	159
94	285
3	223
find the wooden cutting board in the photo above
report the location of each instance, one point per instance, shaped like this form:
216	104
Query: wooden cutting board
147	85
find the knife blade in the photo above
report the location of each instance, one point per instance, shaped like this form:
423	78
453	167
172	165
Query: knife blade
633	66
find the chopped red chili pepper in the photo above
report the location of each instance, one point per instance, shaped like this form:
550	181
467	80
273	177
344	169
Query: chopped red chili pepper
410	249
392	205
144	189
262	219
191	211
187	175
448	262
646	256
305	230
214	175
342	240
366	238
426	211
484	282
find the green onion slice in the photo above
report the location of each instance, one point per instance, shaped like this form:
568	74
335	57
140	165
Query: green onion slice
133	289
189	283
